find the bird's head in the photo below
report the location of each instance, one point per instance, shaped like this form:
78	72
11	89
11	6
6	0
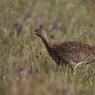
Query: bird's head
40	32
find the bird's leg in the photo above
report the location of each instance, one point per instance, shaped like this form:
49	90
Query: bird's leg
74	69
87	68
78	64
58	64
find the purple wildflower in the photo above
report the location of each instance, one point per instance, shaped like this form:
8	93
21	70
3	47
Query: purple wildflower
21	69
26	17
30	70
55	26
40	24
18	27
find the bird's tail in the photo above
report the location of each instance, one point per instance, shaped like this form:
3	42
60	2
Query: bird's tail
93	49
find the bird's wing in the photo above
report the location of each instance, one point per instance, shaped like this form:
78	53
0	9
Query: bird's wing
72	51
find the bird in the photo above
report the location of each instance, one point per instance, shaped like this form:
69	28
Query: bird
71	53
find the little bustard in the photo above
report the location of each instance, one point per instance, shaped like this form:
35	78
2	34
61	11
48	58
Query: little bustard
71	53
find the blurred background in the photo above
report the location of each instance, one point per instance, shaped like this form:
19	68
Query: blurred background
25	66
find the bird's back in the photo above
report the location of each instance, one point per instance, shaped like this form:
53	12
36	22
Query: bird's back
73	51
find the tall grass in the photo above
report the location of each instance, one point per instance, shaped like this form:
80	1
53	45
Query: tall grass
25	66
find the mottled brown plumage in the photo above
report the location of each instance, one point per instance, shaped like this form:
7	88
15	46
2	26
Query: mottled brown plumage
72	53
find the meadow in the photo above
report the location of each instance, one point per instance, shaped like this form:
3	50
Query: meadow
25	66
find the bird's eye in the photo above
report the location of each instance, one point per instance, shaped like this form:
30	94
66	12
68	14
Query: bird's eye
36	30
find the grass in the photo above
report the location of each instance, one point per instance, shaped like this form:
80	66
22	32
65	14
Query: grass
25	66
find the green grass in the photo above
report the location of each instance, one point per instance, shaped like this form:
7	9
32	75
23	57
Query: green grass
25	66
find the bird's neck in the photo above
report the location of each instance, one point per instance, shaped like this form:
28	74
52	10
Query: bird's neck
46	41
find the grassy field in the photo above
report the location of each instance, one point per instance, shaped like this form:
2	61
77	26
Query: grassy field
25	66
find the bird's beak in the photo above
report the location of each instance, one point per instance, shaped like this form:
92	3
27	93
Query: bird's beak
33	32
